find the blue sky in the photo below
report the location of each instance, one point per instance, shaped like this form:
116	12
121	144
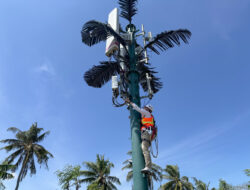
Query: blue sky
203	111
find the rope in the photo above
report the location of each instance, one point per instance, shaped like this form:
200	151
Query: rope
156	146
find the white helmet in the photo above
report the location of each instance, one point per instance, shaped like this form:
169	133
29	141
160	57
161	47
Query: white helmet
149	107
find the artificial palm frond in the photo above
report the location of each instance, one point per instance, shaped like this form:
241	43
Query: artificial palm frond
168	39
128	9
97	76
94	32
156	84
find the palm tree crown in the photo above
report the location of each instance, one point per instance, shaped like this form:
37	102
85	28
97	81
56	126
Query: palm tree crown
94	32
70	176
200	185
97	175
26	147
223	185
175	182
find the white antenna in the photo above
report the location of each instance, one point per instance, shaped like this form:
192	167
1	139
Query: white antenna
115	86
144	43
111	44
122	54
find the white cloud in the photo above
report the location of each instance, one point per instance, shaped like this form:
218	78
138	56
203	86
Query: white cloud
46	67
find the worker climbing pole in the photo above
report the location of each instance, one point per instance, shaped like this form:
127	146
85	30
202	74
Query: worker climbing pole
148	133
129	68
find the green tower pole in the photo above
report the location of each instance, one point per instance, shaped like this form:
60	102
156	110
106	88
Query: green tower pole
139	180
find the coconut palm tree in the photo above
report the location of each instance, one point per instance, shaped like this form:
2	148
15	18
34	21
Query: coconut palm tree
26	148
200	185
175	181
223	185
69	176
156	171
97	175
4	168
94	32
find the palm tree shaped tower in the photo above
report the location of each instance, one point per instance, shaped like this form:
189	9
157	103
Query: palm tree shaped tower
130	63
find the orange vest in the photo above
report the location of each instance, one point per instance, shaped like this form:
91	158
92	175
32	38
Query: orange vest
147	123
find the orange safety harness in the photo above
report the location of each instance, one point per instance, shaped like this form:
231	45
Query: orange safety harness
148	123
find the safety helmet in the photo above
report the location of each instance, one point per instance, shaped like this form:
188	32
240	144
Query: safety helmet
149	107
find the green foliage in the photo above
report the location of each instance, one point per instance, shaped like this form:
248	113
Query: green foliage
174	180
4	168
94	186
98	176
69	176
247	172
224	186
200	185
25	148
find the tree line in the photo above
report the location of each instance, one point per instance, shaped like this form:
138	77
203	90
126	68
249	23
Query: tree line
25	147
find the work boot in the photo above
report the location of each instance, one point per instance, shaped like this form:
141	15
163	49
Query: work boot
146	170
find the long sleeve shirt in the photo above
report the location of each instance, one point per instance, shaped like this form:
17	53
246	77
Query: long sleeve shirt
143	112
